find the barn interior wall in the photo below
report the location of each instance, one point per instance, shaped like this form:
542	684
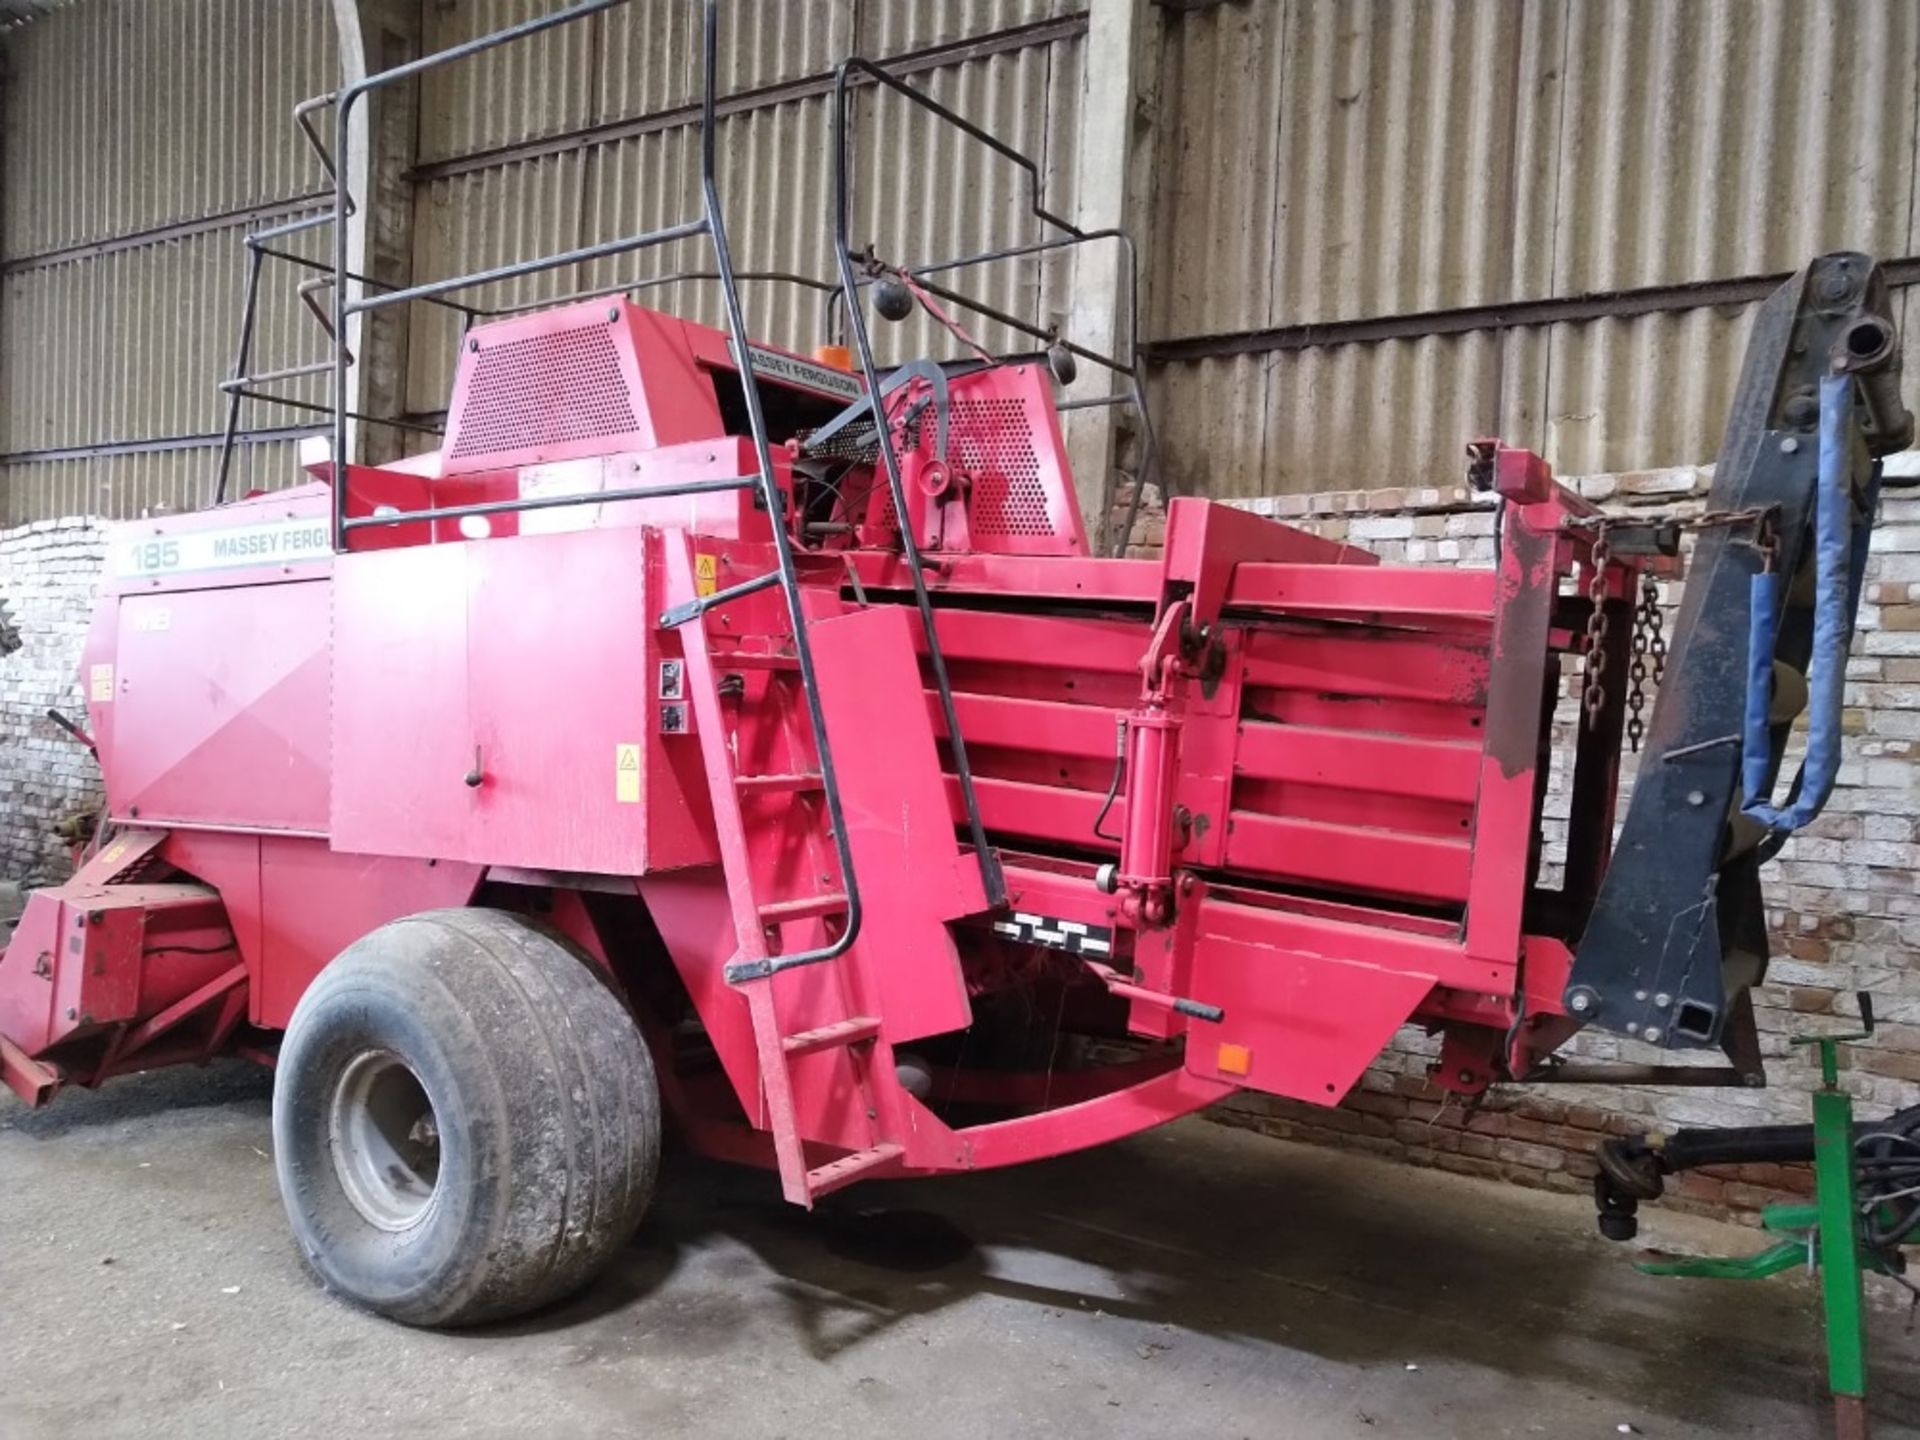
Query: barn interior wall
1370	231
1380	230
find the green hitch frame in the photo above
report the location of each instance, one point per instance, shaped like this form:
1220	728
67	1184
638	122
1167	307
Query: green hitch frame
1825	1235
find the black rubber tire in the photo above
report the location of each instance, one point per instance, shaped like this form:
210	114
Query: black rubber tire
547	1109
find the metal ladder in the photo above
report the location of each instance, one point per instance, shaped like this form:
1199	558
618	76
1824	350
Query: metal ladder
759	917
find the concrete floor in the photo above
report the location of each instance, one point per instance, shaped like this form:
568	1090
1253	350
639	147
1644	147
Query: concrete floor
1194	1282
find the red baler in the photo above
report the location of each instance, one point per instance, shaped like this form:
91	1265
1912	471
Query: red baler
771	748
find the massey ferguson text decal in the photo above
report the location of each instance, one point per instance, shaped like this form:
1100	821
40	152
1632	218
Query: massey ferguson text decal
782	369
274	542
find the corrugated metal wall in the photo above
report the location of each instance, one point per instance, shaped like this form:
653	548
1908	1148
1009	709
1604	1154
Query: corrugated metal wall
142	135
589	133
1376	169
139	138
1359	209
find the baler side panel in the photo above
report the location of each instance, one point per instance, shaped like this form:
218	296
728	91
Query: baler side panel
913	875
1305	1024
320	901
230	863
495	703
401	732
293	903
1335	755
222	700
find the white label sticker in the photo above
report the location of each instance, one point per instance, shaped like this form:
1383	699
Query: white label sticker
276	542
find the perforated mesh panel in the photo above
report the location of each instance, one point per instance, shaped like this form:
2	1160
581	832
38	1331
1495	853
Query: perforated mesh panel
992	441
544	390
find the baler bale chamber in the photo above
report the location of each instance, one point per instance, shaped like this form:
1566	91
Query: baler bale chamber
711	731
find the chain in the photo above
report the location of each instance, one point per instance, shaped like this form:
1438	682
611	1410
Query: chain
1637	683
1764	517
1656	625
1649	644
1649	650
1594	697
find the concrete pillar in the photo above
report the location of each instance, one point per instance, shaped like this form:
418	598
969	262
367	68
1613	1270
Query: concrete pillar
1115	117
382	139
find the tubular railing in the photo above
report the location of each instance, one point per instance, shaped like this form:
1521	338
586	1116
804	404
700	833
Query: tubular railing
1067	236
349	294
851	282
353	294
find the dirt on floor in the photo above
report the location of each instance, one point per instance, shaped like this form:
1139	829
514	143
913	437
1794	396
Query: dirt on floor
1194	1282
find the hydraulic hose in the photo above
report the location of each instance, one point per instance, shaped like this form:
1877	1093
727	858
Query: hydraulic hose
1839	564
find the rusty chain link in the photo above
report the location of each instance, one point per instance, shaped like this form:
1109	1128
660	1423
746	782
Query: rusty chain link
1649	644
1594	697
1649	631
1656	624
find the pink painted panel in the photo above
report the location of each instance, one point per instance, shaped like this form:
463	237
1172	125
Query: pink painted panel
524	660
912	873
1309	1023
221	701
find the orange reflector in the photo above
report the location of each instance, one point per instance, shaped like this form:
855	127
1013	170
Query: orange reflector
837	356
1235	1059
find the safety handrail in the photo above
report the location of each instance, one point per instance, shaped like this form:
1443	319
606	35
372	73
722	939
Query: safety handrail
1070	236
846	258
712	224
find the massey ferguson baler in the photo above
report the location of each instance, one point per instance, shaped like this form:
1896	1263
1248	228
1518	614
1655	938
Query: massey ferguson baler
709	735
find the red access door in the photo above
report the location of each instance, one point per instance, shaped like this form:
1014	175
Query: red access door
494	701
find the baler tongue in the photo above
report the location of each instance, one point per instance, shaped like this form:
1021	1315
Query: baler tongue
1678	931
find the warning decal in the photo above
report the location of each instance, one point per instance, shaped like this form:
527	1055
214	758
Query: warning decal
706	574
626	774
100	684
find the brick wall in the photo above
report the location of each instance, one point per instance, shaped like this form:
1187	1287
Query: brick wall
1844	895
48	572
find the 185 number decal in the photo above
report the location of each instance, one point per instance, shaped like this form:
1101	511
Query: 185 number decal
152	555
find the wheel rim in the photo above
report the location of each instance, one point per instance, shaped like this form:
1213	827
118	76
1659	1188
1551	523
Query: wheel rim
385	1139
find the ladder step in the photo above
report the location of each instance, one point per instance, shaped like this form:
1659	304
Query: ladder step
826	1178
794	783
804	908
850	1031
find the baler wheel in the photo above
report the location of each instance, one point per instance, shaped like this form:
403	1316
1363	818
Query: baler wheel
466	1123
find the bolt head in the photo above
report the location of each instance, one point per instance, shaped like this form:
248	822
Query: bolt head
1582	1003
1789	445
1662	1000
1696	797
1652	1032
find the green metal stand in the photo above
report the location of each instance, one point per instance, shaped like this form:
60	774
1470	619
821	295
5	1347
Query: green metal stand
1826	1233
1841	1287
